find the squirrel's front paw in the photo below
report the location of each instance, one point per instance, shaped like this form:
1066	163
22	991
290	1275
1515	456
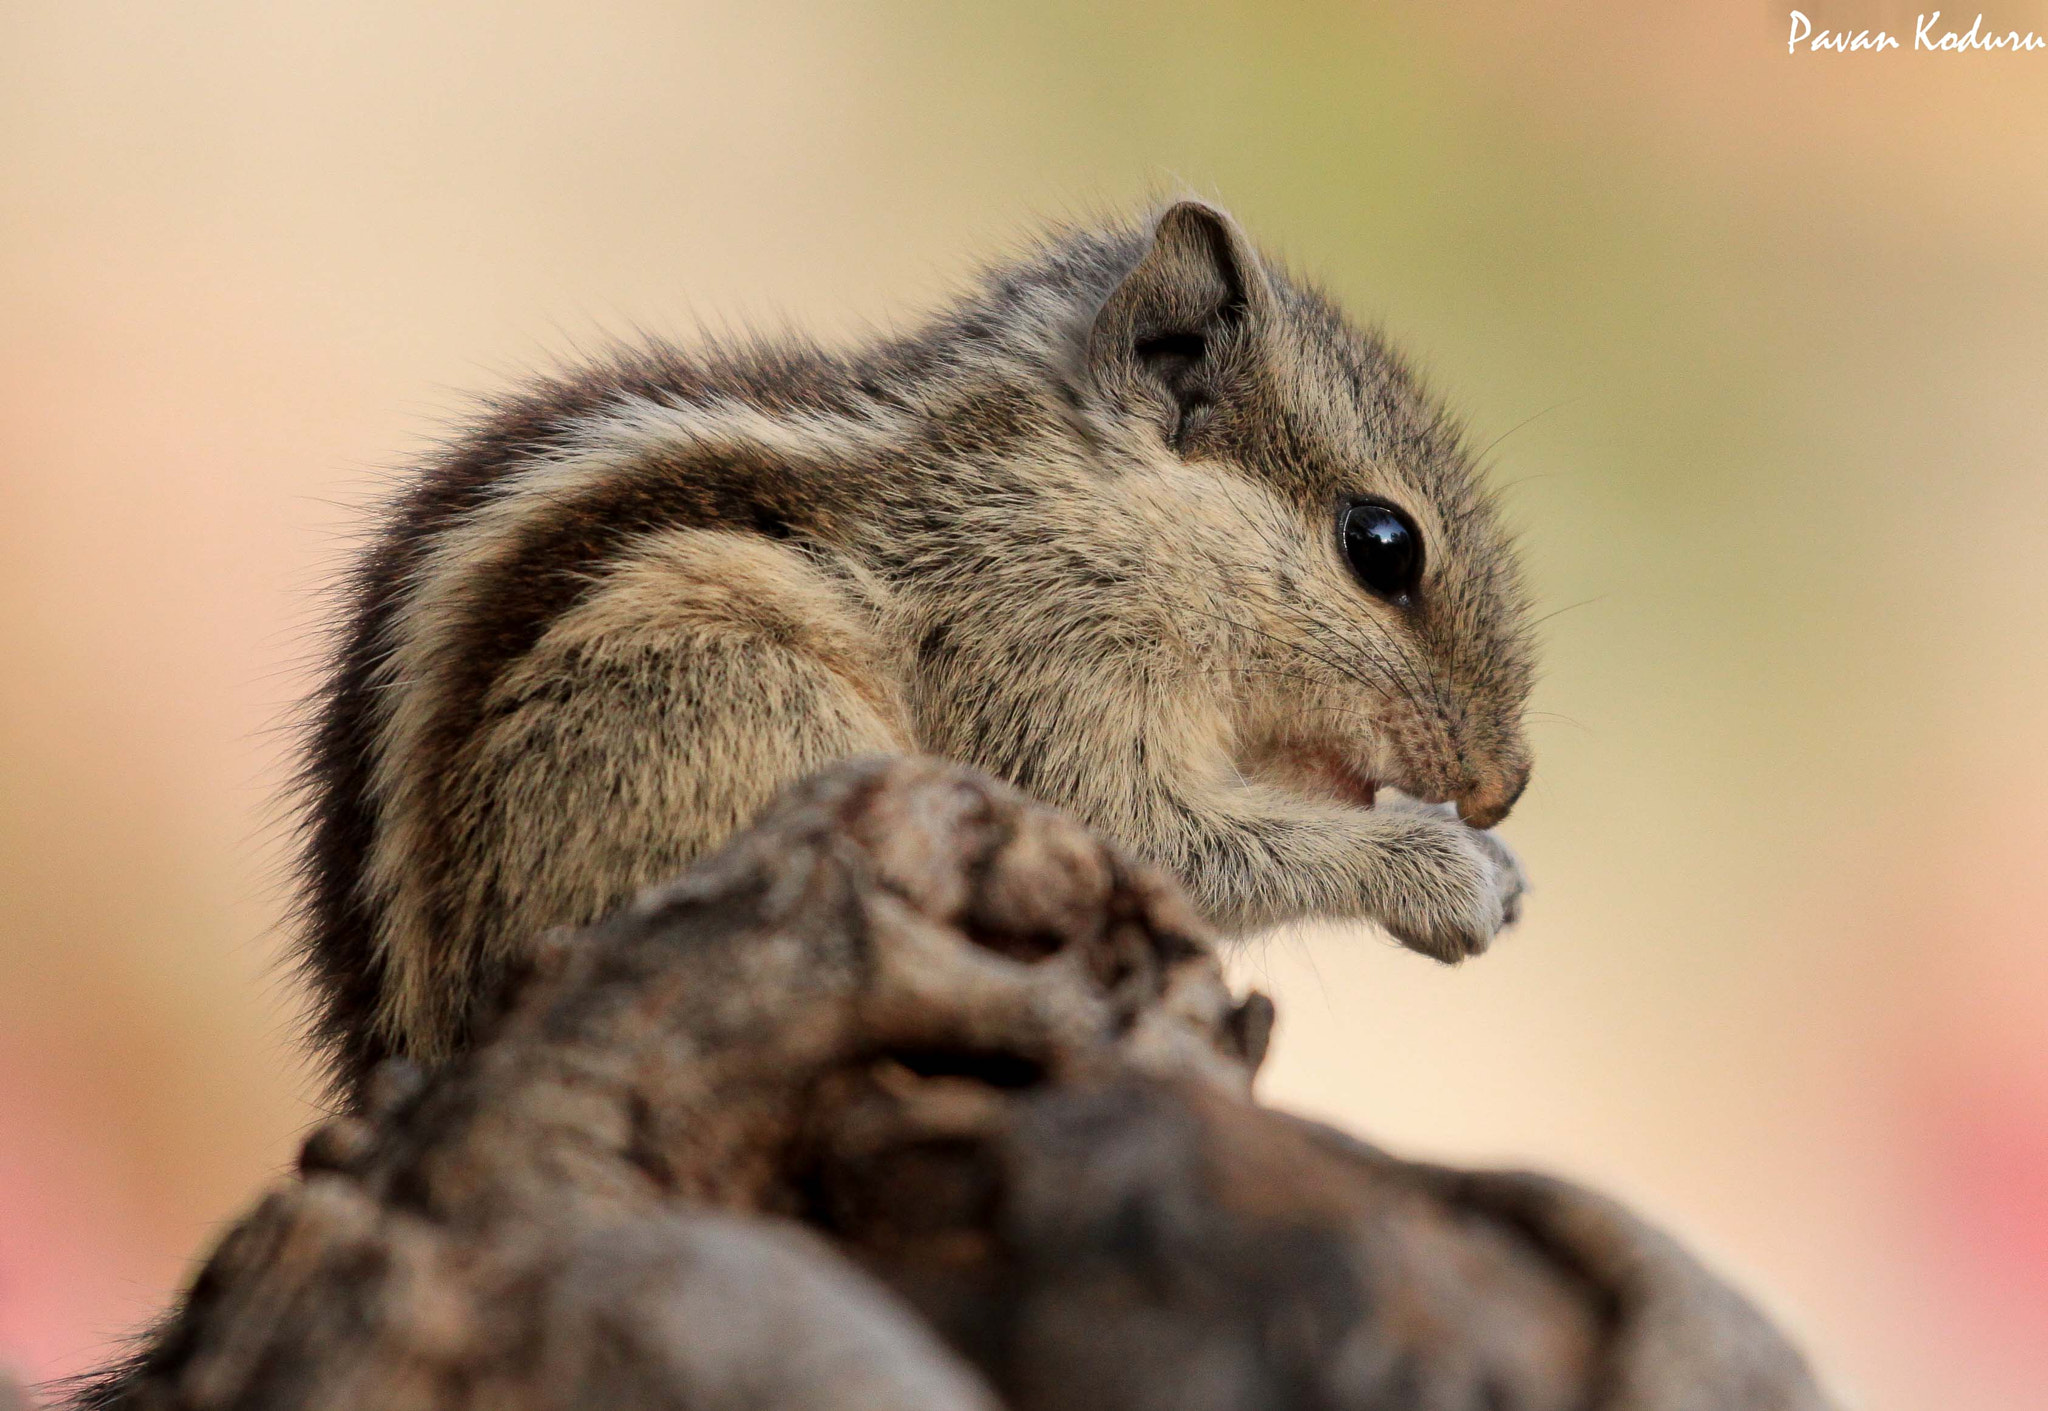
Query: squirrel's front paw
1467	888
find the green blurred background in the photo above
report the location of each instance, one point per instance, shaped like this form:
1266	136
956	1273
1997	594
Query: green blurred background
1758	342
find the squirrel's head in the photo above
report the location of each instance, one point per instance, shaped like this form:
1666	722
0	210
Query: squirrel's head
1324	511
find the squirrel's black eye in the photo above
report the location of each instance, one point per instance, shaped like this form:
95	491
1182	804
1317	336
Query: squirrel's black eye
1384	548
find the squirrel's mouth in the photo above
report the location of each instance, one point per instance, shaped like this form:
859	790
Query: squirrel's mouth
1319	770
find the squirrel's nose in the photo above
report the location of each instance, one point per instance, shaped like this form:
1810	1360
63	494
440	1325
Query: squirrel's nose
1489	795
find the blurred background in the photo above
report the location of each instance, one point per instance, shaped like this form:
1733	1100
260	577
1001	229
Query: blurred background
1758	343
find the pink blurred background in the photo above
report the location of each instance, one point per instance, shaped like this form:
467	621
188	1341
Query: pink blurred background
1763	339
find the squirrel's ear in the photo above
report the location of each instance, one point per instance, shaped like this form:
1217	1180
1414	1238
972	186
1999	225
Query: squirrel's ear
1166	331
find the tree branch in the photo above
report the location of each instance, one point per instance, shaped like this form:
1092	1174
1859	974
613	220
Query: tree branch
917	1097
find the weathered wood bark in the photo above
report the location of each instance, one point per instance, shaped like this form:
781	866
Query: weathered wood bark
918	1097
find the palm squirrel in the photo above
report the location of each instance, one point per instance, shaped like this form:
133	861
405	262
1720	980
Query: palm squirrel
1141	525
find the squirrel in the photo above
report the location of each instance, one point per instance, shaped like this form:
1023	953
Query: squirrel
1141	525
